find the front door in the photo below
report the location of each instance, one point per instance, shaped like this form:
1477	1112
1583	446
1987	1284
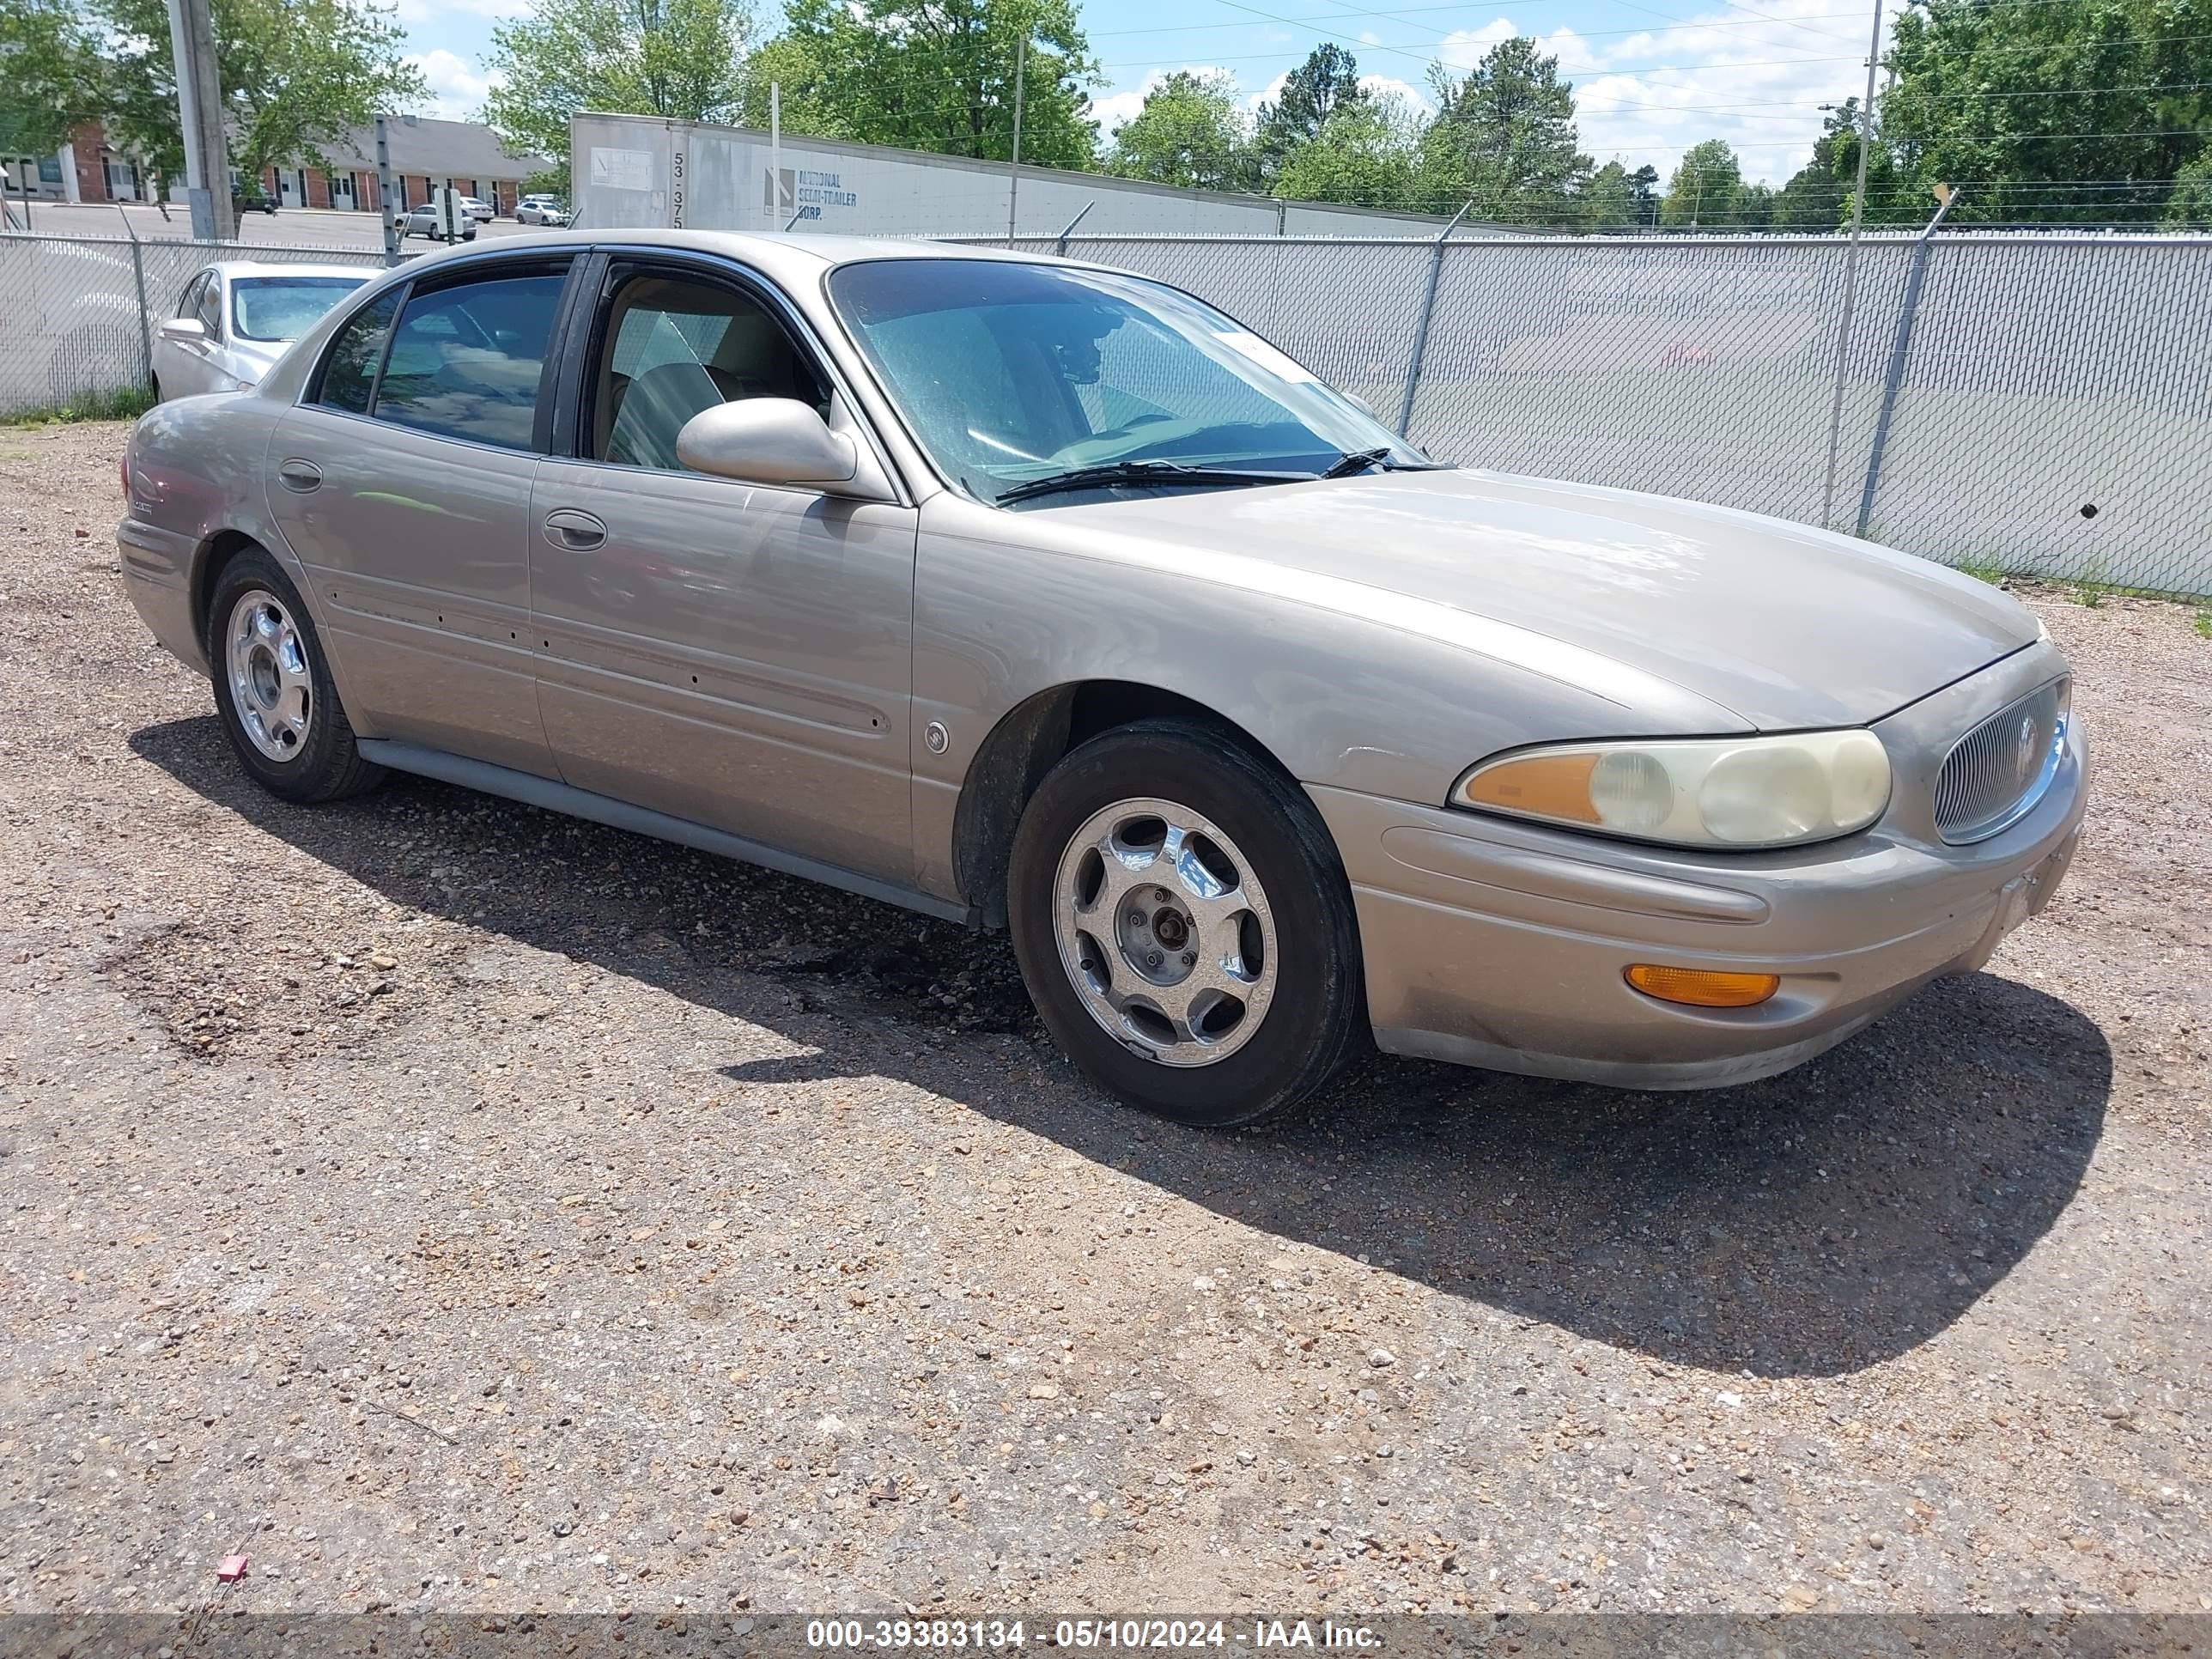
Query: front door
185	368
404	485
736	655
290	192
342	191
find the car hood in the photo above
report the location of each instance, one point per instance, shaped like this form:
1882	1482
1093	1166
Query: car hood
1785	626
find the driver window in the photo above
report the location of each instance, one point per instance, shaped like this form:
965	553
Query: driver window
673	346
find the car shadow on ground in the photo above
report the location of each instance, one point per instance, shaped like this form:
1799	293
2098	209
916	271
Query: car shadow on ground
1813	1224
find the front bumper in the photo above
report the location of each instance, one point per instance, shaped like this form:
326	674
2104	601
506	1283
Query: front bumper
1503	945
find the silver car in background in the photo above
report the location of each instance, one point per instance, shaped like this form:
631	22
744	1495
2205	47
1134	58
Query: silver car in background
543	211
234	319
1047	597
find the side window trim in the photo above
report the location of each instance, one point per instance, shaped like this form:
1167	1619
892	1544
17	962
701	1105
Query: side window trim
384	354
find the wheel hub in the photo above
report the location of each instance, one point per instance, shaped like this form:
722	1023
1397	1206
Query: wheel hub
265	664
1166	934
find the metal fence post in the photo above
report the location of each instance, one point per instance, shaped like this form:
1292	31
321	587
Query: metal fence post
145	312
1907	309
1068	229
1428	309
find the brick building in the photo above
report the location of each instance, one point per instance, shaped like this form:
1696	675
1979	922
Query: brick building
425	153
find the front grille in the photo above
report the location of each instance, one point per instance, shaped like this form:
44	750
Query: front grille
1999	770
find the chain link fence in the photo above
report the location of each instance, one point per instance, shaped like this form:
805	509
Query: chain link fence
80	313
2034	404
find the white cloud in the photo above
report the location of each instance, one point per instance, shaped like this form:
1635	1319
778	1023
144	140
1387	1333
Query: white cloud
1385	86
457	89
1757	82
1116	109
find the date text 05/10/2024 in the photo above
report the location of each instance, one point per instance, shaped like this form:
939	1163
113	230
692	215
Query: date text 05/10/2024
954	1634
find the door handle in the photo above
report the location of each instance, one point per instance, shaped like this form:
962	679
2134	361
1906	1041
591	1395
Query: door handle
575	531
299	475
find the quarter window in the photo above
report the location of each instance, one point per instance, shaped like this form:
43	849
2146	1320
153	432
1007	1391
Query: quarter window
209	309
673	346
466	361
350	372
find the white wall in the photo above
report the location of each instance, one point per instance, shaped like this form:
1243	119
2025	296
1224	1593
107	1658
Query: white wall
637	170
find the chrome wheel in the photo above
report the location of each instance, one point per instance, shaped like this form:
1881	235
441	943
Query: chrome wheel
1164	932
265	664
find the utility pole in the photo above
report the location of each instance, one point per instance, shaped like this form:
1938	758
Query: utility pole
1014	166
1851	271
199	111
384	195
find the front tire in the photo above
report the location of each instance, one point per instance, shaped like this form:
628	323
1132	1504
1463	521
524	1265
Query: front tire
1184	926
273	688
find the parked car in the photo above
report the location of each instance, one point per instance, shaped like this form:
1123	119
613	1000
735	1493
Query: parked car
423	221
235	319
252	199
543	210
479	210
1039	595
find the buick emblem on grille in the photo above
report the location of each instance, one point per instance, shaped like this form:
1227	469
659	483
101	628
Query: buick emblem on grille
2024	754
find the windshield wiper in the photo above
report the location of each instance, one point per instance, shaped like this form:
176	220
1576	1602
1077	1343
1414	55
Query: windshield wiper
1142	472
1359	460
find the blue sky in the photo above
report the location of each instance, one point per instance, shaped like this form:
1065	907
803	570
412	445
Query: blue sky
1650	80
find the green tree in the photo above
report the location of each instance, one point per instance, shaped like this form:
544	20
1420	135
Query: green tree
1703	191
684	59
1607	200
296	75
2087	111
52	76
1189	133
1368	152
1504	139
2189	206
938	76
1327	81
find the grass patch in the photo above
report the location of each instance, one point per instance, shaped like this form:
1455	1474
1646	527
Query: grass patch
2203	621
1981	572
124	403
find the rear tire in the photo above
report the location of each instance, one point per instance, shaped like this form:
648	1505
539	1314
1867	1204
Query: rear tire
1184	926
273	688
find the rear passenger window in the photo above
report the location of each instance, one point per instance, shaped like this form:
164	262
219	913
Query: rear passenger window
350	372
465	361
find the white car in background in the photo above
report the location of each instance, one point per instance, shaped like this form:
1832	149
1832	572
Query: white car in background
479	210
540	211
235	319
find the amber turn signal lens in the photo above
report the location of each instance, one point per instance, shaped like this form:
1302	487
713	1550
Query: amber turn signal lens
1704	988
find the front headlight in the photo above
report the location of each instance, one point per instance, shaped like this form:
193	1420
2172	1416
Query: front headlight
1704	791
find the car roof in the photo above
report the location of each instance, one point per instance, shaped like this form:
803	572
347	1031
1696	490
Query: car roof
788	257
234	269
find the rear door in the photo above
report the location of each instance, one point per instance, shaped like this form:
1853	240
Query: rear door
738	655
403	482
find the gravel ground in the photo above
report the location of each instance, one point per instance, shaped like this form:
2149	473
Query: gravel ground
459	1207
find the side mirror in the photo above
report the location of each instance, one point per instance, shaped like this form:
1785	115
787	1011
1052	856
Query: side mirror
768	440
183	330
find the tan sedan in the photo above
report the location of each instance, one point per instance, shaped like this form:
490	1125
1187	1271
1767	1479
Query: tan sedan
1047	597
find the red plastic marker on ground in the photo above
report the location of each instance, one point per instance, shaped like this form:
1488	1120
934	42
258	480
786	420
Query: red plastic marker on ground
232	1568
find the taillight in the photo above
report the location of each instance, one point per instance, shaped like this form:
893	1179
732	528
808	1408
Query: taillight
123	470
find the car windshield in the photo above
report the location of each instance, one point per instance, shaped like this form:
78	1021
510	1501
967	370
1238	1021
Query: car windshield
1011	373
284	307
